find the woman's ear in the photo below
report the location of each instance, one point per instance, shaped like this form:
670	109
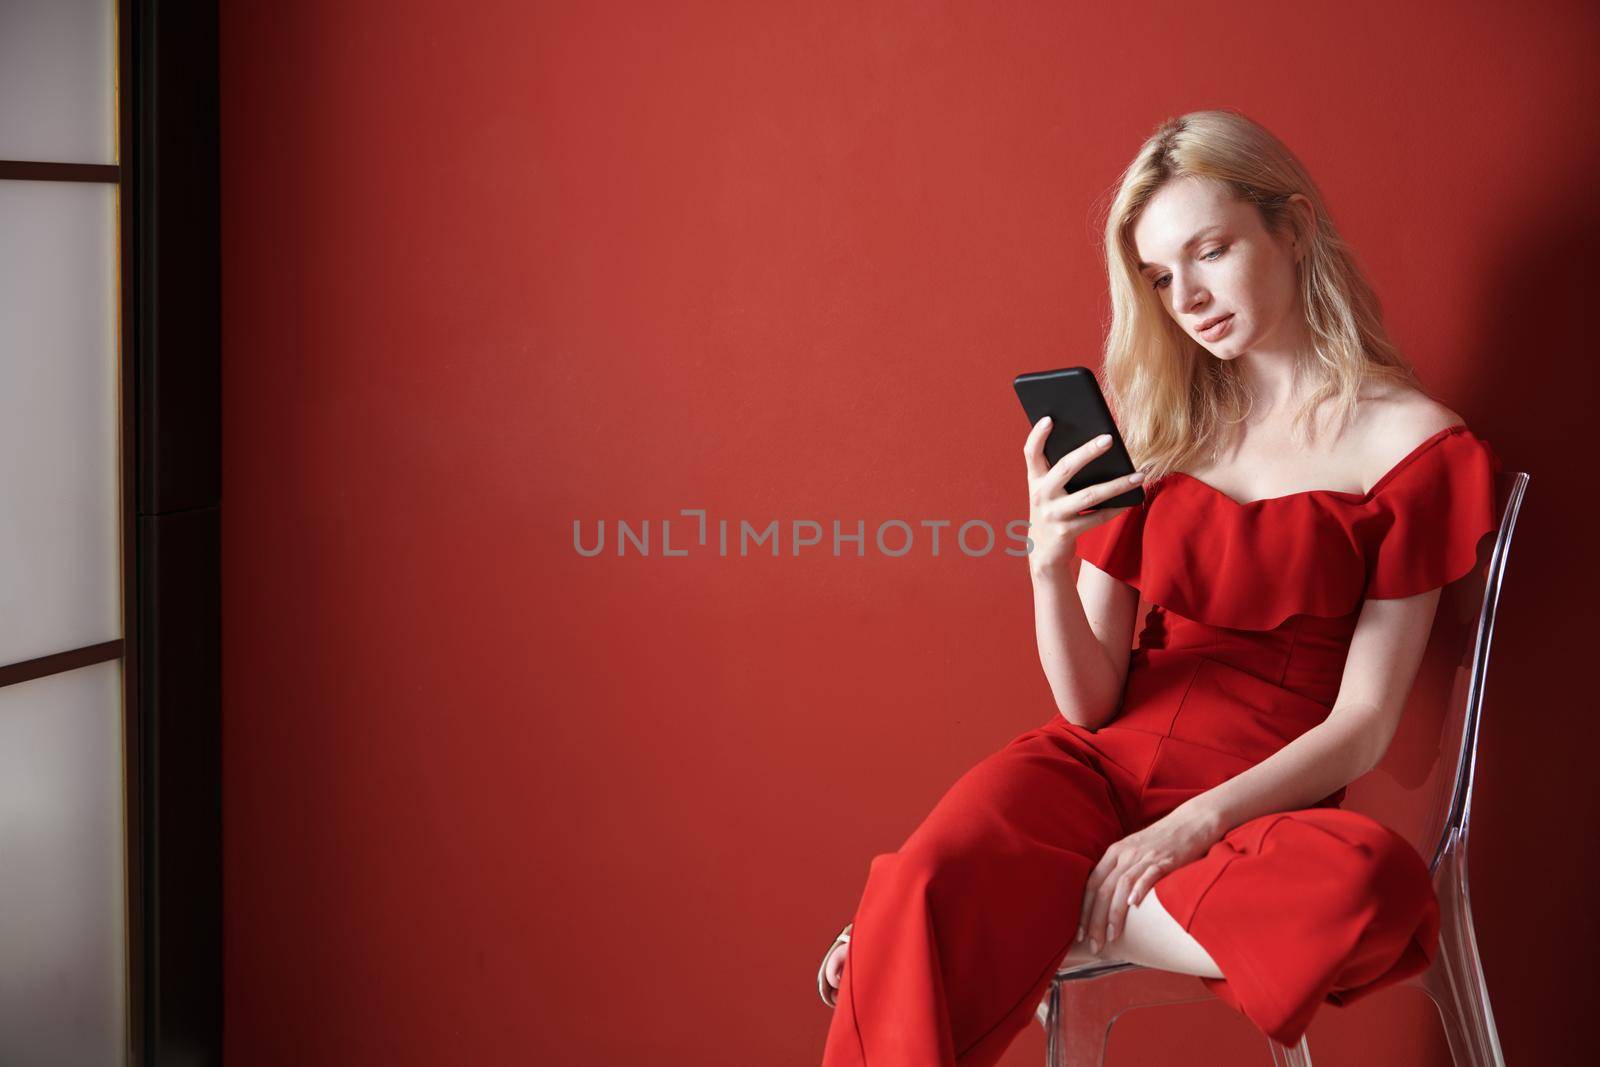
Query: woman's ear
1302	223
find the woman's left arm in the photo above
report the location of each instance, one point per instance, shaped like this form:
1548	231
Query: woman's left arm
1385	652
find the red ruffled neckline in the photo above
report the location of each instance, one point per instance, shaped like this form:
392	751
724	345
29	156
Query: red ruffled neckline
1252	565
1346	494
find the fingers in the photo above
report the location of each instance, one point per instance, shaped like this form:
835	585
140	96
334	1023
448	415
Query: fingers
1096	518
1097	896
1086	907
1120	881
1100	919
1066	510
1117	908
1152	874
1033	448
1088	496
1131	886
1068	464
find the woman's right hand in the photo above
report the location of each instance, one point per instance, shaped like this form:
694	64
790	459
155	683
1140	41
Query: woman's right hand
1054	524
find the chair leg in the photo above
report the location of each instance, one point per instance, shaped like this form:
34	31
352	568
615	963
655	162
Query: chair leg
1296	1055
1078	1012
1455	982
1075	1029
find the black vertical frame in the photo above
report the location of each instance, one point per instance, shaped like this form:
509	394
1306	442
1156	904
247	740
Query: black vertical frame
172	476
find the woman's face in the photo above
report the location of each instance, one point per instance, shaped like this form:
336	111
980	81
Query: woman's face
1231	267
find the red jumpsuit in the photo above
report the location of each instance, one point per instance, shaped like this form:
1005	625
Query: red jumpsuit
958	933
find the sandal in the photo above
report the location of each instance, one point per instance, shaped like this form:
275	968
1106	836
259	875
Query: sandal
828	992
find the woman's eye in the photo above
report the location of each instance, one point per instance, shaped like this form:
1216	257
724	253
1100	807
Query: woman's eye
1211	256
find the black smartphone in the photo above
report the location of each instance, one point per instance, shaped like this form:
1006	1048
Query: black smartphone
1078	412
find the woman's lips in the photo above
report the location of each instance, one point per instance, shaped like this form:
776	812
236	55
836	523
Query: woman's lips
1217	330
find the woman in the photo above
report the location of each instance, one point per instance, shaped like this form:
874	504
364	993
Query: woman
1305	501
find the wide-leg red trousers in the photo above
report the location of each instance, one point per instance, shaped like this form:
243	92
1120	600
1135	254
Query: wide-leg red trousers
958	933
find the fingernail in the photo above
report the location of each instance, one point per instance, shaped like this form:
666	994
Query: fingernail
1094	946
1080	934
1111	934
1103	439
1136	476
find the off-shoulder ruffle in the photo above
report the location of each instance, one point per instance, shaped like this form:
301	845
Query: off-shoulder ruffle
1430	519
1201	554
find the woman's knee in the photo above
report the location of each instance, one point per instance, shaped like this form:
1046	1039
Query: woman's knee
1400	874
929	865
1392	877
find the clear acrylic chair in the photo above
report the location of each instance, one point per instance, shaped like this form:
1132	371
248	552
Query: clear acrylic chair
1422	790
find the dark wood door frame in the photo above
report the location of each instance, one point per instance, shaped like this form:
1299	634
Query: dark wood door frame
172	368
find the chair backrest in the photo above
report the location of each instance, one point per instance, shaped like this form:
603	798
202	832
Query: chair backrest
1422	788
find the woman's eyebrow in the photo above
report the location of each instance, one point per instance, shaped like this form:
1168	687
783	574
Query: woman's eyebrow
1187	244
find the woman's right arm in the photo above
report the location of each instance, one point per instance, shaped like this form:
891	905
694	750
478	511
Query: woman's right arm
1084	653
1085	630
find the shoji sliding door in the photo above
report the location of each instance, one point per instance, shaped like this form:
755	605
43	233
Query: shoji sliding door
64	856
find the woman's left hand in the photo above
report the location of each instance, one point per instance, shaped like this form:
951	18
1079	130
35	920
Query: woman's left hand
1132	865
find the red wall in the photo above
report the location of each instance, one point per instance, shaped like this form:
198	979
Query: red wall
490	268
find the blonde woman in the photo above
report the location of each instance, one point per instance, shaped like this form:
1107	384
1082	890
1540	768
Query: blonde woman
1305	501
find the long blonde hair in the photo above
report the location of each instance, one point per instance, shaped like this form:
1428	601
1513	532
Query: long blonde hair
1173	400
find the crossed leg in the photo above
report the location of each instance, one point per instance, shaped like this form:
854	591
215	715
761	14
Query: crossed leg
1151	937
960	931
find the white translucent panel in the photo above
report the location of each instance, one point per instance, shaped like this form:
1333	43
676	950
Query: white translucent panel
59	566
63	955
58	80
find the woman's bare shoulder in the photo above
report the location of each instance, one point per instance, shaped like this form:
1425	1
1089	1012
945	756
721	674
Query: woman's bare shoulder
1401	419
